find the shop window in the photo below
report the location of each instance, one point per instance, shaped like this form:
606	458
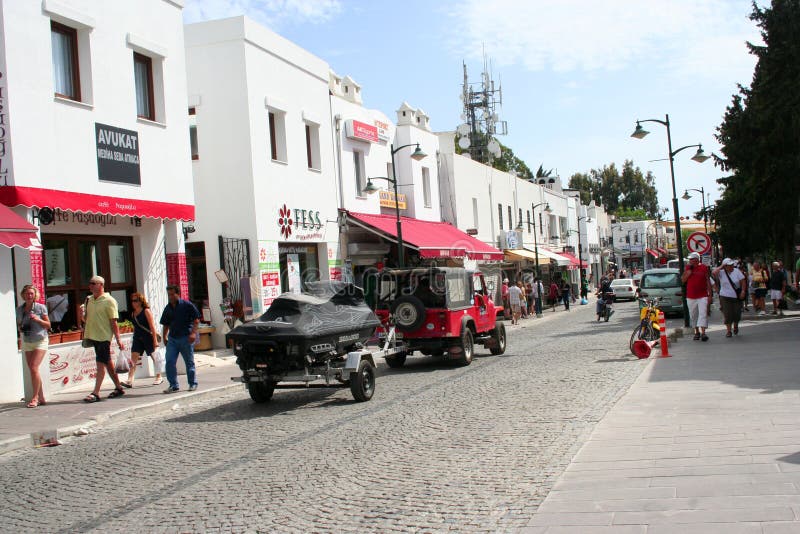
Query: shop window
66	67
519	219
71	260
500	215
528	216
360	173
426	186
143	79
193	133
277	136
312	146
510	219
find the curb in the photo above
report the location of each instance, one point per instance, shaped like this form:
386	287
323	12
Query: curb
153	408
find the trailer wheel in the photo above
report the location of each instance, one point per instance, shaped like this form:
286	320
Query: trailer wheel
396	361
499	337
362	382
261	392
467	347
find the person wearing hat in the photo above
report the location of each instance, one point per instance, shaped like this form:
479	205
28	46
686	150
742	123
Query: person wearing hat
732	290
777	287
697	279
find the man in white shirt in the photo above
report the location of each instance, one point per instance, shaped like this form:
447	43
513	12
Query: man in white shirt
515	299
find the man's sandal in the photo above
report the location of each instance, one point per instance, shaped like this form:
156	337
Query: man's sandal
91	397
116	393
126	385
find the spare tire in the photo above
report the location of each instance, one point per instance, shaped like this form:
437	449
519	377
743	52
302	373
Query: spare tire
408	312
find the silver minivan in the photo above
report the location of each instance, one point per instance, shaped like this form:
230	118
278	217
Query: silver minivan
666	284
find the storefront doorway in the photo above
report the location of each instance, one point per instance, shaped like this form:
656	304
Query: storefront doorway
299	264
196	272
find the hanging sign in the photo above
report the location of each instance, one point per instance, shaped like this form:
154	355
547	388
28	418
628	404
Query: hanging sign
117	154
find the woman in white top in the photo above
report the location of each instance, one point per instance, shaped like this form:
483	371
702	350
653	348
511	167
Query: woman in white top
732	290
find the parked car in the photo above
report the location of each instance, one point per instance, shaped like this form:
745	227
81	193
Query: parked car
666	284
623	288
439	311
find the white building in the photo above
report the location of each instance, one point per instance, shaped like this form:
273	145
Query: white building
95	147
264	167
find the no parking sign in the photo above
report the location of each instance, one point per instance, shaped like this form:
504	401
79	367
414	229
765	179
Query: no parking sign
699	242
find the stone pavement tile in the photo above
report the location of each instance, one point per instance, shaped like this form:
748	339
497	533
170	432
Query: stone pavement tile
725	479
657	472
745	515
620	529
589	453
706	460
600	494
707	528
602	465
783	527
713	489
680	503
601	483
572	519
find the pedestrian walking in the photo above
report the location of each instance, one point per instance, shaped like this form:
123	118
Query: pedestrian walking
732	289
515	300
33	323
538	292
145	337
180	321
759	278
553	294
777	287
504	295
565	293
697	279
584	288
529	299
101	327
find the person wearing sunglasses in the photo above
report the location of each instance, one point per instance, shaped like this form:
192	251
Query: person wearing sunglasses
145	337
101	327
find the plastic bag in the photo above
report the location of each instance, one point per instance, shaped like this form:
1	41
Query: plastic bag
122	364
159	361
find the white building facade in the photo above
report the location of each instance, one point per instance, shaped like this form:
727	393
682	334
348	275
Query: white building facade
95	148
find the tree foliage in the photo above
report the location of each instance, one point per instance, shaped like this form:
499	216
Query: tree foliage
760	138
628	194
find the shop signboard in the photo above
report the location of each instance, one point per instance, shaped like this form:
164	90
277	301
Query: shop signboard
361	131
386	199
293	273
117	154
269	268
5	139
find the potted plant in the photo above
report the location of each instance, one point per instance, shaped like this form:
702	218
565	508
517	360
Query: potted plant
125	327
54	338
71	335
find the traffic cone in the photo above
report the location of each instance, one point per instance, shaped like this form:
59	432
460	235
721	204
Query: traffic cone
662	323
642	348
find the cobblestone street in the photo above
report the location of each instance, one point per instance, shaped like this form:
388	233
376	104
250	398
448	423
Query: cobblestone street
438	448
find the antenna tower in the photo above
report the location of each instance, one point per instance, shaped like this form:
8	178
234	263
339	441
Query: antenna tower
480	119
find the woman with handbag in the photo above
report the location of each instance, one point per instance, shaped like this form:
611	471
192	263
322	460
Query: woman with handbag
33	322
732	290
145	337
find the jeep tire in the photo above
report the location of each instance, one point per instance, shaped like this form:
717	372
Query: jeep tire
396	361
499	338
362	382
261	392
467	346
408	312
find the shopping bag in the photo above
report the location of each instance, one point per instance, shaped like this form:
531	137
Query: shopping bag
159	361
122	364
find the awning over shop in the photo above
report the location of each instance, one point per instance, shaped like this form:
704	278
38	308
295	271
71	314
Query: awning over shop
16	231
652	252
574	262
663	251
431	238
523	254
560	260
66	200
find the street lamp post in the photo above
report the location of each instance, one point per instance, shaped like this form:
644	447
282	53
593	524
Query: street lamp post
580	247
700	157
535	237
370	188
687	196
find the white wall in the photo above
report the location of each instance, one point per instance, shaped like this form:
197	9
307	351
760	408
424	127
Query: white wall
54	138
11	388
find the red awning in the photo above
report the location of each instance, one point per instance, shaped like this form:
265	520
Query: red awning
433	239
652	252
574	262
16	231
69	201
662	251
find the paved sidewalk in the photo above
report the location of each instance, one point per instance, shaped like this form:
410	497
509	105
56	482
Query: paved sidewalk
706	441
66	412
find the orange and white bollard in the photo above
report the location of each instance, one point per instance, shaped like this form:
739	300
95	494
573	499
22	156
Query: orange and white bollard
662	324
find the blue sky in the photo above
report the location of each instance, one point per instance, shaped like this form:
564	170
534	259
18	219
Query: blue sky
576	74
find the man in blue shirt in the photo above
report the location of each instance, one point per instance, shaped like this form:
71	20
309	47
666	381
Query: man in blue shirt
180	320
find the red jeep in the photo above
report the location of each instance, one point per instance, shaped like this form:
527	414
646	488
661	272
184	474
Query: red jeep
438	310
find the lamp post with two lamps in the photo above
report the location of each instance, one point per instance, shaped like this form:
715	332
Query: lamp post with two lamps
535	237
687	196
370	188
699	157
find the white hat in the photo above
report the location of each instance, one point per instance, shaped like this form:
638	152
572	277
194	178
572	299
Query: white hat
728	261
694	256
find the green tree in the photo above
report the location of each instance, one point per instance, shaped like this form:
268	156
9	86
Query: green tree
760	138
629	194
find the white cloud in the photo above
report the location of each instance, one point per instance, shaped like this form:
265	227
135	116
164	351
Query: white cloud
690	37
272	13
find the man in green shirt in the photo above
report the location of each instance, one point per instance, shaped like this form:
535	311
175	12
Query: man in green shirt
101	327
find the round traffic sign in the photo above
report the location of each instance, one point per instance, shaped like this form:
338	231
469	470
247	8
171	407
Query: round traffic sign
699	242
